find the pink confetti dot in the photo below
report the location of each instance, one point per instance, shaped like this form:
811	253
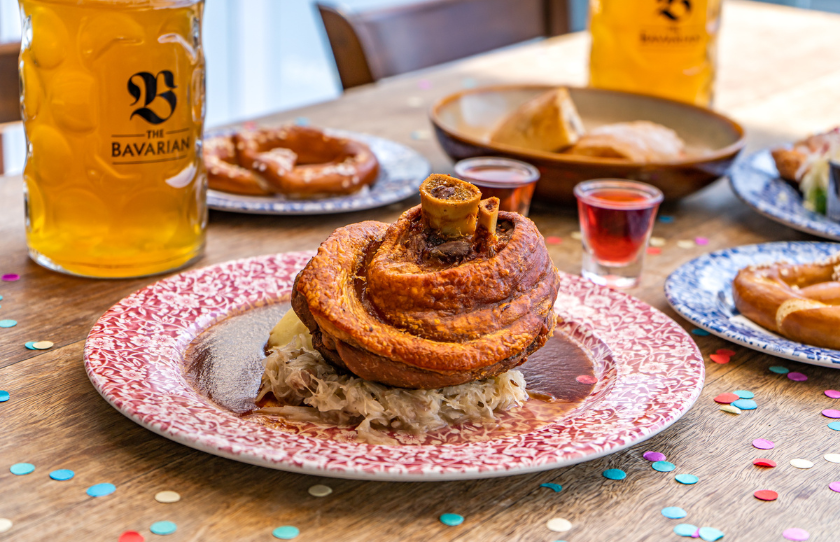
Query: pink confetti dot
796	534
763	444
834	486
719	358
654	250
834	394
553	240
831	413
11	277
654	456
424	84
797	377
586	379
701	240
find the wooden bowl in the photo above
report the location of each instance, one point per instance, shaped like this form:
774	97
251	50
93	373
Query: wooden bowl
463	122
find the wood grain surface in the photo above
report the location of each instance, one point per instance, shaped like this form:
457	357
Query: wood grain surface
779	75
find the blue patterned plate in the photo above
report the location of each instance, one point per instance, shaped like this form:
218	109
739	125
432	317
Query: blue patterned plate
701	291
756	181
401	170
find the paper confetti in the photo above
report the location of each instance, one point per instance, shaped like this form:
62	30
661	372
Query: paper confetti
163	528
834	426
4	396
167	497
730	409
666	219
557	488
558	525
683	243
834	486
453	520
101	490
653	250
663	466
801	463
424	84
8	323
745	404
710	534
779	370
700	332
42	345
834	394
286	532
62	475
796	534
701	240
553	240
761	462
654	456
615	474
22	469
686	479
744	394
586	379
685	529
831	413
725	352
673	512
576	235
657	242
726	398
320	490
421	135
302	121
415	101
766	495
10	277
797	377
763	444
719	358
832	458
5	525
131	536
30	345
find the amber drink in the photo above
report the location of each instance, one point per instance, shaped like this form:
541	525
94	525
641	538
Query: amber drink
112	98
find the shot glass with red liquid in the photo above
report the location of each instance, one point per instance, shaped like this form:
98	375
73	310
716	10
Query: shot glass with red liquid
509	180
616	218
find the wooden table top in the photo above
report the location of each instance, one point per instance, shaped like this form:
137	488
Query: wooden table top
779	76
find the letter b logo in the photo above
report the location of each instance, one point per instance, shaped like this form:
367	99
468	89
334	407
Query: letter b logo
150	94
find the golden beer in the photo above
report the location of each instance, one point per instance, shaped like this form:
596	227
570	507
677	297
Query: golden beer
661	47
112	98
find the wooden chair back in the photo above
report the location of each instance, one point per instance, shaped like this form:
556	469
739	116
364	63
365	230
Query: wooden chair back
373	44
9	88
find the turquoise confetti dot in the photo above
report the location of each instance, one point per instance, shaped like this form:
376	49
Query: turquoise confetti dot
62	475
4	396
302	121
164	528
286	532
779	370
19	469
663	466
834	425
674	512
30	345
709	534
451	519
745	404
101	490
665	219
700	332
8	323
1	298
556	487
687	479
685	529
744	394
615	474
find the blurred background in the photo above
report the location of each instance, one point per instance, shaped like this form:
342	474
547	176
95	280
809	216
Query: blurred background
269	55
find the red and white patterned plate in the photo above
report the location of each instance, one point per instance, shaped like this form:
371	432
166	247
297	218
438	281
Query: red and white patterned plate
649	373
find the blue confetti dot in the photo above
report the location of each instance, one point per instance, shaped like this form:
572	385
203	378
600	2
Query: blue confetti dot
62	474
674	512
19	469
615	474
286	532
30	345
451	519
665	219
779	370
685	529
663	466
834	425
1	298
745	404
4	396
687	479
700	332
8	323
709	534
302	121
744	394
468	82
556	487
101	490
163	528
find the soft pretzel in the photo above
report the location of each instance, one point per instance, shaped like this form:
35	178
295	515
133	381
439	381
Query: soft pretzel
225	174
801	302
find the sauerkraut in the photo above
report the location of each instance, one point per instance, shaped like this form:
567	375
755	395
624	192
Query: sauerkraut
309	389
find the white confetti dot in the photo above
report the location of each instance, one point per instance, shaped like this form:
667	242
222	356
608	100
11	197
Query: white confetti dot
832	458
801	463
320	490
5	525
559	525
167	497
577	235
731	409
657	242
685	244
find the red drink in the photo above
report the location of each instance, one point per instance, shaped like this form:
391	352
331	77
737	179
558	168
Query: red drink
511	181
616	218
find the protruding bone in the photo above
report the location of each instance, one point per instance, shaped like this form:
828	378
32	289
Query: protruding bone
450	206
488	214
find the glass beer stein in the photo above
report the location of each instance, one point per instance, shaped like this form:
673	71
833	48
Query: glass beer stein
112	99
660	47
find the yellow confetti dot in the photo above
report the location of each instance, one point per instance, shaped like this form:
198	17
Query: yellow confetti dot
682	243
167	497
731	409
320	490
832	458
42	345
559	525
657	242
801	463
577	235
